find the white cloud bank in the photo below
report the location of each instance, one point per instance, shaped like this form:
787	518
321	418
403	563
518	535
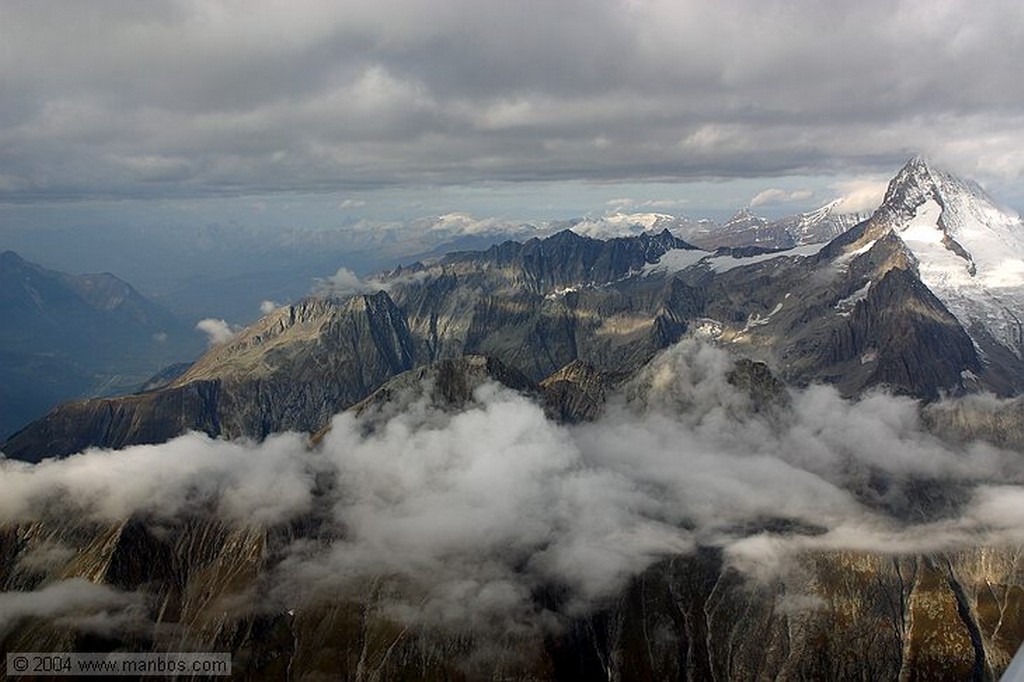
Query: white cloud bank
474	510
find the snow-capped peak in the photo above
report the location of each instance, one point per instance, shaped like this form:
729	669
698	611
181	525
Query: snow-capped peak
820	213
971	224
619	224
919	179
820	225
745	217
970	252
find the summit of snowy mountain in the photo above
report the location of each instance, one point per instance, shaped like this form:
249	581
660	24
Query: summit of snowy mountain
969	251
919	180
745	217
746	228
820	225
619	224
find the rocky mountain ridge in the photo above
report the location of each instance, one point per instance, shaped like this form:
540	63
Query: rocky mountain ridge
855	313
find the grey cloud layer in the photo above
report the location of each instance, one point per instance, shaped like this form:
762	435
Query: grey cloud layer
184	97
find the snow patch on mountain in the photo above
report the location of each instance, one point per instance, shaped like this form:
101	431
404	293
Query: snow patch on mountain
675	260
726	263
846	305
755	319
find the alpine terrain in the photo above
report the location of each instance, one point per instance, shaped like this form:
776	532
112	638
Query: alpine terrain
768	449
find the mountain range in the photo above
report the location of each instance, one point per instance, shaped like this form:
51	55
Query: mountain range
908	322
875	307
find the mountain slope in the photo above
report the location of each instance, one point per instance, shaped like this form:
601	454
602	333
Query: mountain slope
292	370
820	225
68	335
535	306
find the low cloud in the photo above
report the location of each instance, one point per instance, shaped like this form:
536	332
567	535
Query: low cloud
45	556
77	603
462	224
662	204
343	283
861	195
466	514
776	197
217	331
240	481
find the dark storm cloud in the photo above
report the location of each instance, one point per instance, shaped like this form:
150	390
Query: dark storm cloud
180	98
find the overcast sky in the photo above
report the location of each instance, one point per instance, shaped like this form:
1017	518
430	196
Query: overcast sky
181	100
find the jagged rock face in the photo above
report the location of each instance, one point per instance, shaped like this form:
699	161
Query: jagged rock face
187	570
575	393
834	616
922	347
448	384
153	417
755	379
363	335
303	363
897	335
578	392
824	317
565	259
565	321
209	585
540	305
